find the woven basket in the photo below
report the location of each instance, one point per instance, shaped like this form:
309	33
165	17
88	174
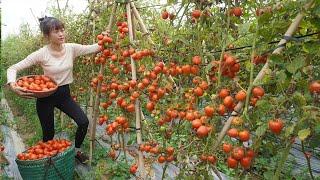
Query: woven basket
47	168
40	94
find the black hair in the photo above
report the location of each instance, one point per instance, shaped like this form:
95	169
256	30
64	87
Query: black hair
48	24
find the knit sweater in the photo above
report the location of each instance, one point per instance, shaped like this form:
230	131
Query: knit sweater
58	68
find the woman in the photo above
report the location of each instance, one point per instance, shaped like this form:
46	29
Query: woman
56	60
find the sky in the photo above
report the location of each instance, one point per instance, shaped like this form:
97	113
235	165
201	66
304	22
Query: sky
16	12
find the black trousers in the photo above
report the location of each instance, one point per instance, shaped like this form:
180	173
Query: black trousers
62	100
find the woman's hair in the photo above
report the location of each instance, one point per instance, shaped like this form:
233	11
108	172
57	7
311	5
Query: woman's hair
47	24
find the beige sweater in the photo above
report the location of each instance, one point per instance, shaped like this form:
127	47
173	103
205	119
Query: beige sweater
60	69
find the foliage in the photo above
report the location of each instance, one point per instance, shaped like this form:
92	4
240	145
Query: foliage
214	36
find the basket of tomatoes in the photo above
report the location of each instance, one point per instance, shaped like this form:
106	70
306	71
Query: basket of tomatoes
39	85
53	159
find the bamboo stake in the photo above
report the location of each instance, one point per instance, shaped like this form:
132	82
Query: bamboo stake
90	108
293	27
97	98
137	104
140	21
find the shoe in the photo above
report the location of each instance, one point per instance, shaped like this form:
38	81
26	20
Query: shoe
82	157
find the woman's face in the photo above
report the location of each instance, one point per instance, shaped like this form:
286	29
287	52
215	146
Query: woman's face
57	36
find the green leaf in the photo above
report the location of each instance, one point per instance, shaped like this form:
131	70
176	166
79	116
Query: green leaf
289	130
295	65
276	59
244	28
281	77
261	130
299	99
263	106
317	129
303	134
208	67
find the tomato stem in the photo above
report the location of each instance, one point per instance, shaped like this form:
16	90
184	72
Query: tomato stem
308	160
251	68
283	159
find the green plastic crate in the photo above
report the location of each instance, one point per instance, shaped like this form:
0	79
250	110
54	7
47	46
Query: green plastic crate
42	169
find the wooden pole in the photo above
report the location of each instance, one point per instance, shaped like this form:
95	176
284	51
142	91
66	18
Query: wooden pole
140	21
137	103
97	98
90	106
293	27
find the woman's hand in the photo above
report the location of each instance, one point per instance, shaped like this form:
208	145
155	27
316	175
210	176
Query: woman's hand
20	91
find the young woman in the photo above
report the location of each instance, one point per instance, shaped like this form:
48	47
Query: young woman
56	59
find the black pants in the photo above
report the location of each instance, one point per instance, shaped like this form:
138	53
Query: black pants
63	101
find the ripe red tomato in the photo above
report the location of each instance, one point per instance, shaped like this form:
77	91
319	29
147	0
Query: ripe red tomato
165	14
161	159
221	109
196	123
237	11
244	135
250	153
196	60
246	162
196	13
241	95
233	132
232	163
202	131
170	158
203	157
133	169
150	106
258	92
212	159
198	91
170	150
276	126
209	111
226	147
238	153
224	93
228	101
314	87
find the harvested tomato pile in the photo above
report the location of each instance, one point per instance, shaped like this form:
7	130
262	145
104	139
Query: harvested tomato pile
36	83
45	149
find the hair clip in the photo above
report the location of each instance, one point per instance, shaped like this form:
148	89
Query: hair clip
42	19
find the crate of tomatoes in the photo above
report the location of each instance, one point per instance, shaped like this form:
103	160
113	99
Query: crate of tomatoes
39	85
53	159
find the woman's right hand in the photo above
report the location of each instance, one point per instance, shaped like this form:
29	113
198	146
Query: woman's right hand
20	91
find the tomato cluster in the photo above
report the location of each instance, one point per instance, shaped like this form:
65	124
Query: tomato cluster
122	29
165	15
238	154
208	158
102	119
167	155
36	83
229	67
45	149
150	147
121	124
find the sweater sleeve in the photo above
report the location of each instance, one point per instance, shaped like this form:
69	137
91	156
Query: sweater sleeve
80	50
32	59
